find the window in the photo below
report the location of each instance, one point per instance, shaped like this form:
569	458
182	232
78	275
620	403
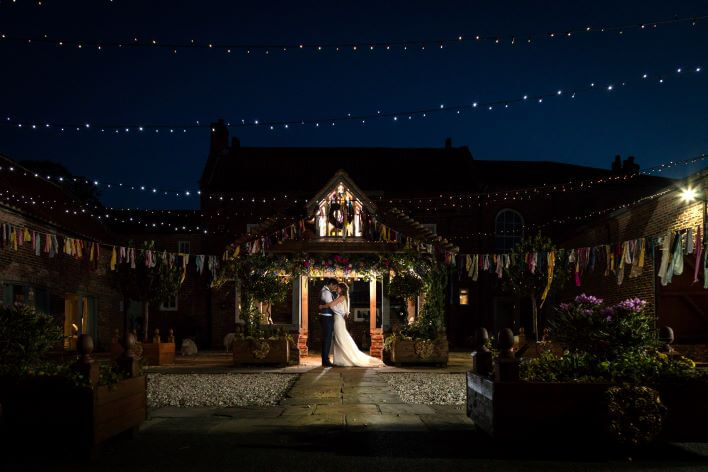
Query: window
464	296
79	318
183	247
37	297
170	304
508	229
340	214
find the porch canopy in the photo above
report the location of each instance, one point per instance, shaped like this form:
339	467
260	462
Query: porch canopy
339	233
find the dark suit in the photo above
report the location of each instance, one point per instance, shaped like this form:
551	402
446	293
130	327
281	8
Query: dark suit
327	325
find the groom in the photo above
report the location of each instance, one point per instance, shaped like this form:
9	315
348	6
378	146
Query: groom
327	294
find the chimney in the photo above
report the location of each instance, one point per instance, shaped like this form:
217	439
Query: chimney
629	166
219	137
617	164
448	143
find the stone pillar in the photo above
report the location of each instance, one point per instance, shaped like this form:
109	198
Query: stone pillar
506	365
482	357
375	332
302	334
156	336
85	364
410	308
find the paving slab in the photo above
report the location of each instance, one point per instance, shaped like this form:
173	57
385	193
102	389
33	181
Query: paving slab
359	408
178	412
314	393
447	422
182	426
379	398
299	410
450	409
324	420
311	401
367	389
256	412
405	409
384	422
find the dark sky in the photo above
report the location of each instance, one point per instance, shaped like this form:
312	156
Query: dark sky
45	83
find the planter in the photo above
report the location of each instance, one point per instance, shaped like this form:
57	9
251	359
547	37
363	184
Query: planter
56	414
419	352
262	351
573	411
159	353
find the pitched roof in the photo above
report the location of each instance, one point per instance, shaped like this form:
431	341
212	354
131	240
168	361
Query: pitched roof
303	170
37	198
402	171
394	218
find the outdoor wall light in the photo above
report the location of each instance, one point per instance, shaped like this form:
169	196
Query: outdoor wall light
689	194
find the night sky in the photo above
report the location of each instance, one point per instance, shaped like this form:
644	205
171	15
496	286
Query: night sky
43	83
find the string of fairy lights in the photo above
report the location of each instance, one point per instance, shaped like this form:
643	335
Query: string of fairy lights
353	47
399	116
145	218
455	201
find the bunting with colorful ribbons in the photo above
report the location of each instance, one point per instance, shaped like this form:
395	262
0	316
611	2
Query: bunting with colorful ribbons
617	260
297	231
41	243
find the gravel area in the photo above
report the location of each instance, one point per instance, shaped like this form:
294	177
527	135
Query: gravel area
217	390
429	389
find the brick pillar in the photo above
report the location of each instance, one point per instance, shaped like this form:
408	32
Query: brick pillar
375	332
302	334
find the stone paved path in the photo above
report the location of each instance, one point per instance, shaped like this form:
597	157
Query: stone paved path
338	398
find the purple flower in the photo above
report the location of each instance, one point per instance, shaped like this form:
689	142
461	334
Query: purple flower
565	306
588	300
586	312
608	313
633	305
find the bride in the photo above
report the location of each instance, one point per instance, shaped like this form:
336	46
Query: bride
346	352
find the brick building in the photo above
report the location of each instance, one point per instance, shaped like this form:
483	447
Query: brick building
475	204
682	303
75	290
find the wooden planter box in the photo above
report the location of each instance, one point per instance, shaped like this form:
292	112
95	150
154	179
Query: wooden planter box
54	414
159	353
573	411
251	352
419	352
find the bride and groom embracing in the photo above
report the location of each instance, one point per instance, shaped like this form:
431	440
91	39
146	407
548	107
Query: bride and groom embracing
334	307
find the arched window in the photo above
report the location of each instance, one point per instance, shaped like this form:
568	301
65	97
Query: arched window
508	229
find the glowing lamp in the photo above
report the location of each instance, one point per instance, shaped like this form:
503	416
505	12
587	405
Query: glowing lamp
688	194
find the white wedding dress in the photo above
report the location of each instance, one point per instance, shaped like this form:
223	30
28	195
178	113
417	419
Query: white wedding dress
346	352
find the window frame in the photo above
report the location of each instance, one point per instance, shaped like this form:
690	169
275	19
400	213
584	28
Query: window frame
505	238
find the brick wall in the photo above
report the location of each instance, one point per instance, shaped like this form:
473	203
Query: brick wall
652	218
62	275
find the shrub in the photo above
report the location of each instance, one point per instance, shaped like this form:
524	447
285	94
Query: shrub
614	344
605	332
635	414
26	335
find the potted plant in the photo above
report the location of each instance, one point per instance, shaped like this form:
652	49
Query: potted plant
257	343
56	404
151	280
422	340
609	379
